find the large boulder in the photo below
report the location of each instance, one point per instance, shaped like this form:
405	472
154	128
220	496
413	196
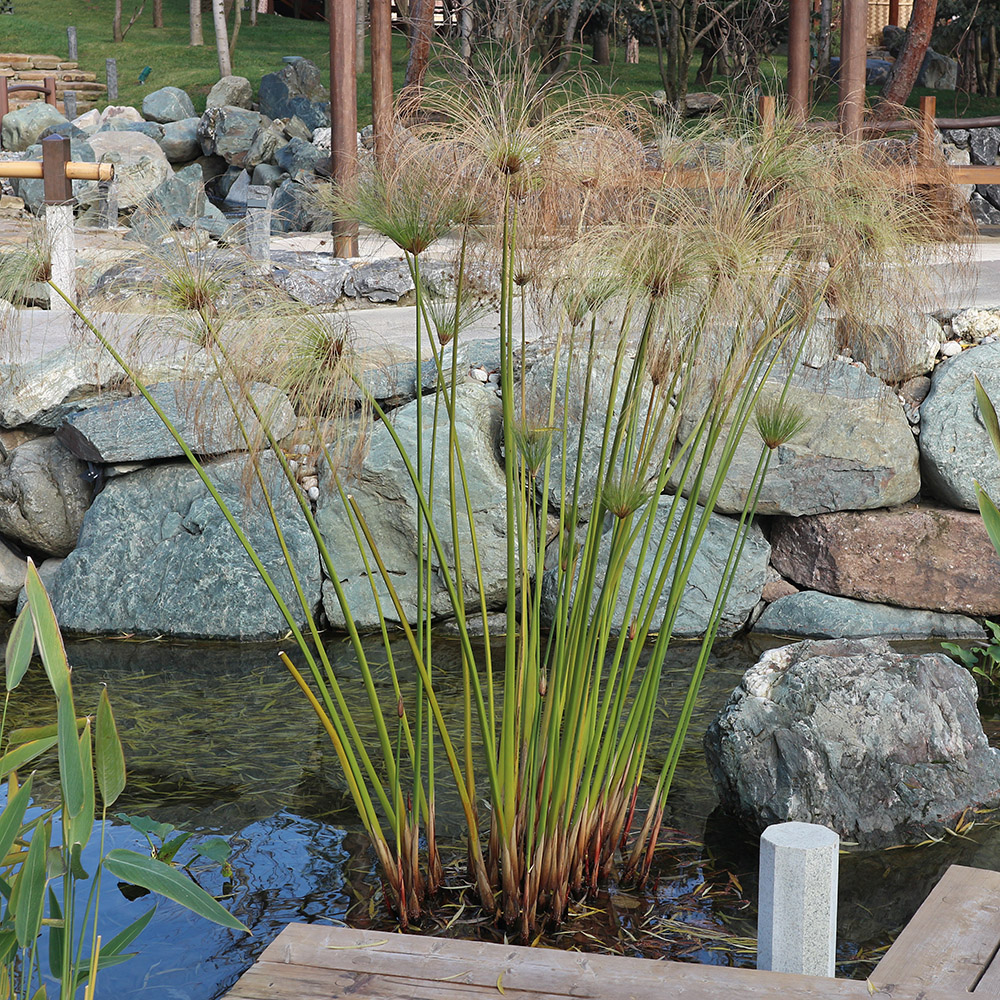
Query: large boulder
130	430
156	557
954	444
915	556
12	571
229	133
293	208
180	140
379	281
140	166
703	580
938	72
812	615
23	126
180	196
44	494
168	104
385	494
855	452
231	91
297	154
296	91
32	390
883	747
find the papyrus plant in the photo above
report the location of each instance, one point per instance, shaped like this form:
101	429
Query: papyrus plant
685	305
987	506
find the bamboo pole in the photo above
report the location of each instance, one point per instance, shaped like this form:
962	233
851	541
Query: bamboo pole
32	169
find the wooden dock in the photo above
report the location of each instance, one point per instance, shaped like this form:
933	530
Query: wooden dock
944	953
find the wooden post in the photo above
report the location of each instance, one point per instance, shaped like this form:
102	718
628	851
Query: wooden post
58	191
851	102
766	108
925	141
343	118
381	43
4	99
50	90
798	59
894	13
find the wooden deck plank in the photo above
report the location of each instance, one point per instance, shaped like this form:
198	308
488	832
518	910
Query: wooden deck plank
952	938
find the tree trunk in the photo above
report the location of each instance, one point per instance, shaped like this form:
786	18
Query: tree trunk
237	23
116	24
906	68
157	13
566	48
993	65
360	10
253	13
221	38
602	45
194	20
421	27
823	39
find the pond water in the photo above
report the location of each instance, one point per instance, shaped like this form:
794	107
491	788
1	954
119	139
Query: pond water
219	741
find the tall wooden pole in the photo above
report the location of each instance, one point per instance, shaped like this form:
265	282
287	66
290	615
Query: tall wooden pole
894	13
381	41
798	59
851	102
343	118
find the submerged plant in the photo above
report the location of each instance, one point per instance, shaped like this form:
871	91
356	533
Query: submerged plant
687	307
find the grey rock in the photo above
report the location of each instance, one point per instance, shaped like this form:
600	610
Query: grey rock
12	570
130	430
810	614
211	166
984	213
893	351
957	136
239	191
702	585
855	453
984	144
991	192
168	104
292	210
380	281
180	140
296	127
231	91
267	142
938	72
877	72
297	154
955	447
65	129
151	129
33	191
296	91
229	133
30	390
267	174
140	167
882	747
385	493
181	195
221	184
156	557
43	496
23	126
315	287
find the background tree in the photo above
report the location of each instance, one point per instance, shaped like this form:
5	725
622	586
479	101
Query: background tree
194	19
906	68
221	38
157	13
967	30
116	24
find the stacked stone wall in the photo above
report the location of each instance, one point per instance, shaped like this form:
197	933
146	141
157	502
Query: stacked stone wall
24	68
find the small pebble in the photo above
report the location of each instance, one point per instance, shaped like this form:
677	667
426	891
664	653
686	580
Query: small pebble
293	465
313	492
479	374
494	378
950	348
309	482
301	449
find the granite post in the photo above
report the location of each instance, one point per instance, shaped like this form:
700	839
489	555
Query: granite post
797	908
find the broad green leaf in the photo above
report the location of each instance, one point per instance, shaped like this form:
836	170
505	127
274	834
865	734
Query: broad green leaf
110	756
13	816
103	962
169	850
17	758
215	849
30	889
125	937
40	732
20	646
143	824
47	634
82	826
57	936
989	413
70	769
991	516
154	875
41	993
8	945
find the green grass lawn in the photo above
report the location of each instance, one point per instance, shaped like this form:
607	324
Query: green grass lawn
39	26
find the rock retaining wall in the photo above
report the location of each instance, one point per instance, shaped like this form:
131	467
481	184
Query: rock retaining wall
23	68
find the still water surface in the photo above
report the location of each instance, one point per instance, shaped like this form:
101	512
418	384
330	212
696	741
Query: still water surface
219	741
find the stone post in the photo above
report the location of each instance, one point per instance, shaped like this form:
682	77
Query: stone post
797	906
258	222
71	39
111	71
69	103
